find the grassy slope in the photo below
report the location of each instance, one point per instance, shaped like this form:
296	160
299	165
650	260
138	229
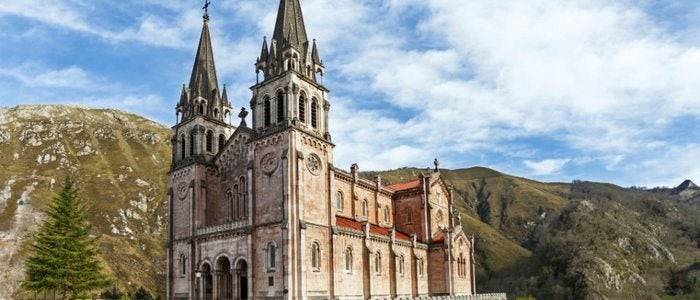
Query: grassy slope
121	176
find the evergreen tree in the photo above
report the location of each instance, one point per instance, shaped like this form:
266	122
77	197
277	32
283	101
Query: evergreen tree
64	258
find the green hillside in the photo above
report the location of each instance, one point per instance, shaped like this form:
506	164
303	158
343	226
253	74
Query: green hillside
120	162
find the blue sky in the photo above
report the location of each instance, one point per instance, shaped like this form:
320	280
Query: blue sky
551	90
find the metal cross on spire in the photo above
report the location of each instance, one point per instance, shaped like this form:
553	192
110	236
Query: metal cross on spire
206	9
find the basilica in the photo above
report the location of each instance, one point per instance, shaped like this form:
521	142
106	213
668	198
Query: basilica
259	210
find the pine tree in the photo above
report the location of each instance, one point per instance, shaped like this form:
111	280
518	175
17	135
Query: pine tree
64	258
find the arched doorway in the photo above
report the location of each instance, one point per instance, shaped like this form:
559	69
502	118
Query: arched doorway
224	279
207	282
242	279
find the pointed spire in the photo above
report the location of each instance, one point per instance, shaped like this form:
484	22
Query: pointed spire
264	53
314	54
183	97
203	79
273	50
224	97
290	25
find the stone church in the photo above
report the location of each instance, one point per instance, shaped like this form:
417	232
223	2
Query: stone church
259	211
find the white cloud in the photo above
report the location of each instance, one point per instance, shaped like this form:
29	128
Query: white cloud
547	166
33	75
73	15
599	77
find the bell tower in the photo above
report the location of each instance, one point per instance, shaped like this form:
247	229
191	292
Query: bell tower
203	109
291	93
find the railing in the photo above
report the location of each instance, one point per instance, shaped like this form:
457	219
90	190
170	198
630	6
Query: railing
223	227
500	296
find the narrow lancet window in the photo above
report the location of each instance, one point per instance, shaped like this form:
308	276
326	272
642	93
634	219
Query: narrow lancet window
315	256
222	141
267	113
302	108
210	138
280	106
314	113
192	144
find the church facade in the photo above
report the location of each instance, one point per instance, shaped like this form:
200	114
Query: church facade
259	211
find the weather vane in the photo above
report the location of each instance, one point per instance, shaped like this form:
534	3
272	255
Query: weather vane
206	9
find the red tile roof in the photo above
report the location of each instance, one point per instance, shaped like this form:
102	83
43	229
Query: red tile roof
404	185
348	223
402	236
439	238
374	229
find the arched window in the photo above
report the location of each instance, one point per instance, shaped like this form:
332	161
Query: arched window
229	199
183	264
378	262
314	113
271	255
302	108
183	147
348	259
222	141
315	256
385	211
419	263
210	138
339	200
280	106
409	216
400	263
365	208
192	144
243	198
201	108
266	112
235	209
216	113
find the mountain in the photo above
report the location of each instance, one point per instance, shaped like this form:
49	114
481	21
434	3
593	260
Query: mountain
686	190
579	240
120	162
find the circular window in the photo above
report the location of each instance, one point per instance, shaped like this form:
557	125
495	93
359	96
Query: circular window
268	163
313	163
182	190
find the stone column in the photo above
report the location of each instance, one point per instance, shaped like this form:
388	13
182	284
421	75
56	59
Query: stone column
235	278
215	285
201	284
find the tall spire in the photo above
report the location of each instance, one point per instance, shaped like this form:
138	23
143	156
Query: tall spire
290	29
264	53
203	79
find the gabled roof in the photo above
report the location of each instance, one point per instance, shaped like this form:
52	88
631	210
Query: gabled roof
290	25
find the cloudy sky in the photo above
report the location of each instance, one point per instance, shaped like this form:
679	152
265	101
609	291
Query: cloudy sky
546	89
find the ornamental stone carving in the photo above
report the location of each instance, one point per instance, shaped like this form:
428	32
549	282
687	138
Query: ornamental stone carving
182	190
268	163
313	164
